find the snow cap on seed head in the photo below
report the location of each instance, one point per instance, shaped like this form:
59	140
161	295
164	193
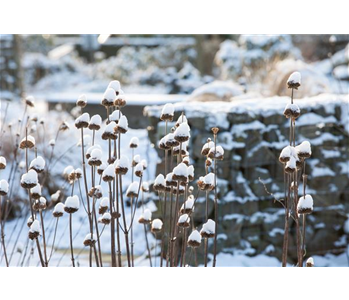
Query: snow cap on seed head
294	81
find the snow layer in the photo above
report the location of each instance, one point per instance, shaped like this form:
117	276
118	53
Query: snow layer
72	202
184	219
209	227
295	77
30	178
96	120
59	208
37	163
168	109
35	227
305	202
181	170
3	186
182	130
156	224
109	171
195	236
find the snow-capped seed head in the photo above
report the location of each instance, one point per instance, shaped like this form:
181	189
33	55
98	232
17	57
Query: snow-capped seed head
194	239
67	171
109	173
96	157
64	126
208	229
180	172
27	142
109	97
29	180
207	183
170	140
101	168
145	218
182	133
139	170
136	160
310	262
180	149
72	204
30	101
305	204
35	191
106	218
58	211
144	164
290	166
294	81
170	181
156	225
89	240
108	133
134	142
34	230
145	187
121	165
182	119
188	206
183	221
2	163
96	191
163	145
191	173
78	173
292	111
132	190
115	116
186	160
82	121
103	205
55	196
159	184
115	85
167	112
120	99
304	149
216	153
3	187
29	221
285	154
208	162
95	122
122	125
52	142
37	164
82	101
39	204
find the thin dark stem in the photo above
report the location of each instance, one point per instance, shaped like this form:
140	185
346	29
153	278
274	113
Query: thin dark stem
71	238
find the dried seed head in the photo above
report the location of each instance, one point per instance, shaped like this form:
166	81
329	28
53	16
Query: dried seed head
64	126
215	130
27	142
81	102
30	101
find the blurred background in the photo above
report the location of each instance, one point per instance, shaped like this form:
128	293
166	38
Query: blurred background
246	75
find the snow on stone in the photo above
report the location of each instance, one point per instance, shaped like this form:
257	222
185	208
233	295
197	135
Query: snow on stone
123	123
321	172
37	163
96	120
134	141
189	203
160	180
30	178
123	162
35	227
156	224
195	236
72	202
115	85
3	160
3	187
147	215
109	171
85	117
133	188
181	170
184	219
110	127
305	202
168	109
59	208
209	227
29	138
109	95
314	119
304	147
294	78
36	189
104	202
182	130
115	116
